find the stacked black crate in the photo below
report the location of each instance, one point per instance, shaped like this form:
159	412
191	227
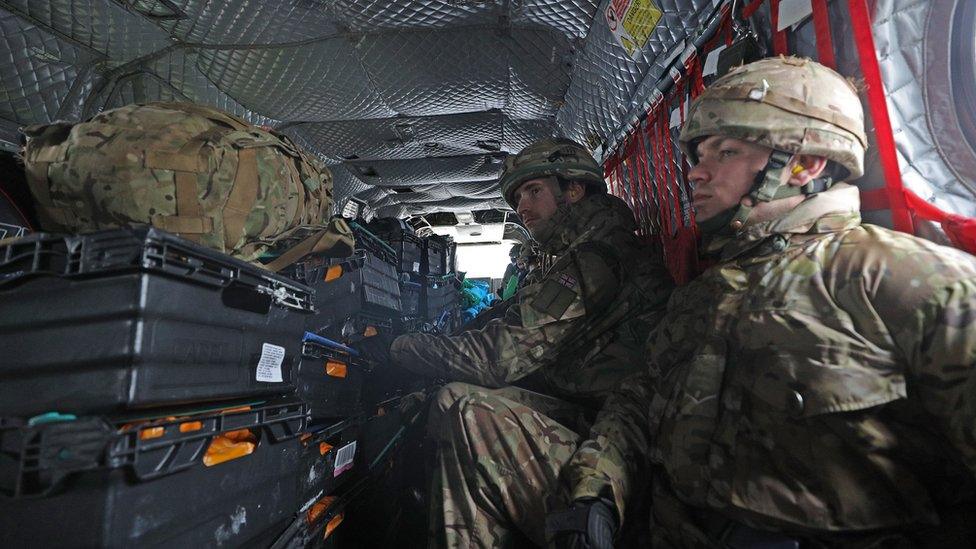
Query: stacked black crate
408	248
148	384
441	288
356	297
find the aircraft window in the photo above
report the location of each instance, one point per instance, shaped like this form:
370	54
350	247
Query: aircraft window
964	67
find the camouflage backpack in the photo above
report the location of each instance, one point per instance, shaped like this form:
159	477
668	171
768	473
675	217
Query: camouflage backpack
185	168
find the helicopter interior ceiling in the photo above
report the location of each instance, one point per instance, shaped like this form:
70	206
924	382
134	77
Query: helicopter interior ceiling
413	103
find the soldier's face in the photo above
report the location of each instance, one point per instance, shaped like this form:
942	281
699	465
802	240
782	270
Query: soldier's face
724	173
536	201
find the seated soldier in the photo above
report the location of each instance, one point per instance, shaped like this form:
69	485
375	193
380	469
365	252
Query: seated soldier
816	386
576	332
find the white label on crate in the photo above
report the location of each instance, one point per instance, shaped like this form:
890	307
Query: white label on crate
344	458
416	267
269	367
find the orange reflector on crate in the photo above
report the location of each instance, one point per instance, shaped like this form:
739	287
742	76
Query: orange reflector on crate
324	448
304	438
370	331
150	433
317	508
235	410
230	445
335	369
191	426
333	273
333	524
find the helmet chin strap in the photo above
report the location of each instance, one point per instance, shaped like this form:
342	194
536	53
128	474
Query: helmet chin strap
772	183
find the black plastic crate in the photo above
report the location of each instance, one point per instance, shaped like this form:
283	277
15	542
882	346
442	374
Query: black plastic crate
435	255
411	297
318	521
364	285
330	379
132	318
409	251
450	257
408	248
39	455
441	295
330	458
244	500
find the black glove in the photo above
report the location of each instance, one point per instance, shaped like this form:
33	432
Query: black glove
376	349
589	523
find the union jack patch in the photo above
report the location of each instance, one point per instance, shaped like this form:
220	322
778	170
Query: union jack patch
568	281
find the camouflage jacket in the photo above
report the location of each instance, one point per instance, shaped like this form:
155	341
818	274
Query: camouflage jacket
577	330
819	378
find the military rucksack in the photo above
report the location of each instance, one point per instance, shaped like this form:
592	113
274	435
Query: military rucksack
185	168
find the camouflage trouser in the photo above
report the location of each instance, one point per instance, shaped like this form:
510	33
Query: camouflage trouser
498	462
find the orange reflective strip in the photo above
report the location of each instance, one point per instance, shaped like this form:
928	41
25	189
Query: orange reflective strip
235	410
333	273
304	438
324	448
191	426
151	433
333	524
229	446
317	508
335	369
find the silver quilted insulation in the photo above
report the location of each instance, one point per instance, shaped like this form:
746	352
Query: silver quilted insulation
911	40
414	103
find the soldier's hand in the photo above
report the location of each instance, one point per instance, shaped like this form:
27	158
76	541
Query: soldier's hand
376	349
589	523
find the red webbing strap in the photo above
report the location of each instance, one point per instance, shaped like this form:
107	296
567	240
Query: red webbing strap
821	25
750	9
618	174
659	175
634	203
671	174
610	173
644	169
633	159
861	24
875	199
961	230
780	46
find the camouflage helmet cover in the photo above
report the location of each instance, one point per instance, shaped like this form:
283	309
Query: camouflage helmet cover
785	103
549	157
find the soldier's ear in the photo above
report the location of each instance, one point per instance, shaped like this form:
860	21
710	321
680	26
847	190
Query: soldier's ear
575	191
806	168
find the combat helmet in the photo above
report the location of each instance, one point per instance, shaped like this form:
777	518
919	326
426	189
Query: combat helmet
549	157
791	105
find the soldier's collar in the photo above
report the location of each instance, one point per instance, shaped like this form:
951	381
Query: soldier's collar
833	210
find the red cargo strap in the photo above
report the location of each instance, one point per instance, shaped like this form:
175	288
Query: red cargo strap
874	199
780	46
821	24
861	23
750	9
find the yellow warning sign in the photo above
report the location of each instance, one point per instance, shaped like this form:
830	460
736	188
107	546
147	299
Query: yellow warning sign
632	22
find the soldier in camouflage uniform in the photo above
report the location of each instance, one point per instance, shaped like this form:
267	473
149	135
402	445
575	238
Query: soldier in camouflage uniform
526	386
816	386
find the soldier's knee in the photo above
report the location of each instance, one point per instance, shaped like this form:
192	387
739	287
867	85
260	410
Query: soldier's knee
442	403
449	394
477	410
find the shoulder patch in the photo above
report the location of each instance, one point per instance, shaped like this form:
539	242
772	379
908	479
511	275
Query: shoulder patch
555	296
